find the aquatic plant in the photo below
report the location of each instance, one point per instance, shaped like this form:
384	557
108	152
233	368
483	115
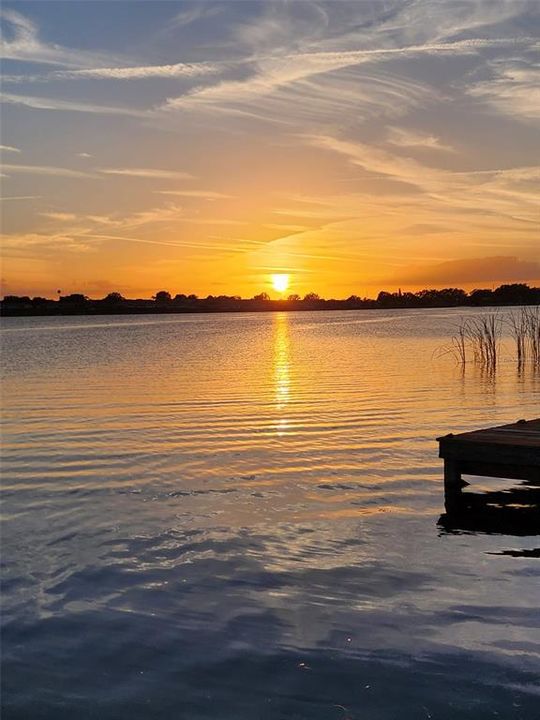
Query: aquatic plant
532	325
484	334
518	328
525	328
479	338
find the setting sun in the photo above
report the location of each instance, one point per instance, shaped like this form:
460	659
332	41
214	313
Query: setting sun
280	282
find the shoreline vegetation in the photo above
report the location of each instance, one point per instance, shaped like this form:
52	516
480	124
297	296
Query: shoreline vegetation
478	339
163	302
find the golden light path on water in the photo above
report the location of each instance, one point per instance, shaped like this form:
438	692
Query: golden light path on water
281	371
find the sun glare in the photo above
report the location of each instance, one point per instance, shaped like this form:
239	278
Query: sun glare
280	282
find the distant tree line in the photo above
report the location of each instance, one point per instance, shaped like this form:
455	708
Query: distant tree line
164	302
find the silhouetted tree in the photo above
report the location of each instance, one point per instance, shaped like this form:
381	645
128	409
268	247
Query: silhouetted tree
17	300
162	297
481	297
294	298
73	299
262	297
311	297
445	297
113	298
408	299
515	294
385	299
40	301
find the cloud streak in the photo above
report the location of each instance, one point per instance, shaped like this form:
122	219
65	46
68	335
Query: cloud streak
490	270
401	137
41	103
46	170
142	72
178	70
300	74
23	44
201	194
147	173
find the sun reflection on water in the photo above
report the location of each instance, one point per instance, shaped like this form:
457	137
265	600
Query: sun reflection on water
281	371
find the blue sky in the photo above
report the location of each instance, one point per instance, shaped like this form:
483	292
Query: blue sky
202	146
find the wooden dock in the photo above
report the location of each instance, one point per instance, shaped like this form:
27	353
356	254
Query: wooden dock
508	451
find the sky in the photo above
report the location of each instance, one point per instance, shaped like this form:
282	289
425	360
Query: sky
200	147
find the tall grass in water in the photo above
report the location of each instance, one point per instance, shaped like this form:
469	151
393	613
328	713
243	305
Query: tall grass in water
480	337
531	321
476	336
518	328
484	335
525	327
458	346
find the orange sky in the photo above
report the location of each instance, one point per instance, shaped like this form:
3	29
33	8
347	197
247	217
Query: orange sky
204	152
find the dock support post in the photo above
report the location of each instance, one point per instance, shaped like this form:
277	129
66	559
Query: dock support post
452	485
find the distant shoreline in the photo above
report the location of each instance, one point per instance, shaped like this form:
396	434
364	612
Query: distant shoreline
163	304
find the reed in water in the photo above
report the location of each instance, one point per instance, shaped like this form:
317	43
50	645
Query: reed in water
525	328
479	338
484	337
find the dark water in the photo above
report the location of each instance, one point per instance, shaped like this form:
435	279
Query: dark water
235	516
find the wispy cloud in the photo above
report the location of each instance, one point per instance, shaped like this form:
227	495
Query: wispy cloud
445	185
477	204
286	96
401	137
304	63
151	216
9	148
299	83
194	245
287	228
202	194
45	242
214	221
177	70
46	170
41	103
19	197
377	160
193	14
150	173
60	216
513	88
24	44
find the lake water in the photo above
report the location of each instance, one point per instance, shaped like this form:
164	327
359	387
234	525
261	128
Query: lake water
235	517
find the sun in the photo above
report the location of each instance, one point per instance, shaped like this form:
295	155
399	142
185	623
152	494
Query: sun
280	282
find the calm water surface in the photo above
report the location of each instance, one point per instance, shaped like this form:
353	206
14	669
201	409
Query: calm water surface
235	516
